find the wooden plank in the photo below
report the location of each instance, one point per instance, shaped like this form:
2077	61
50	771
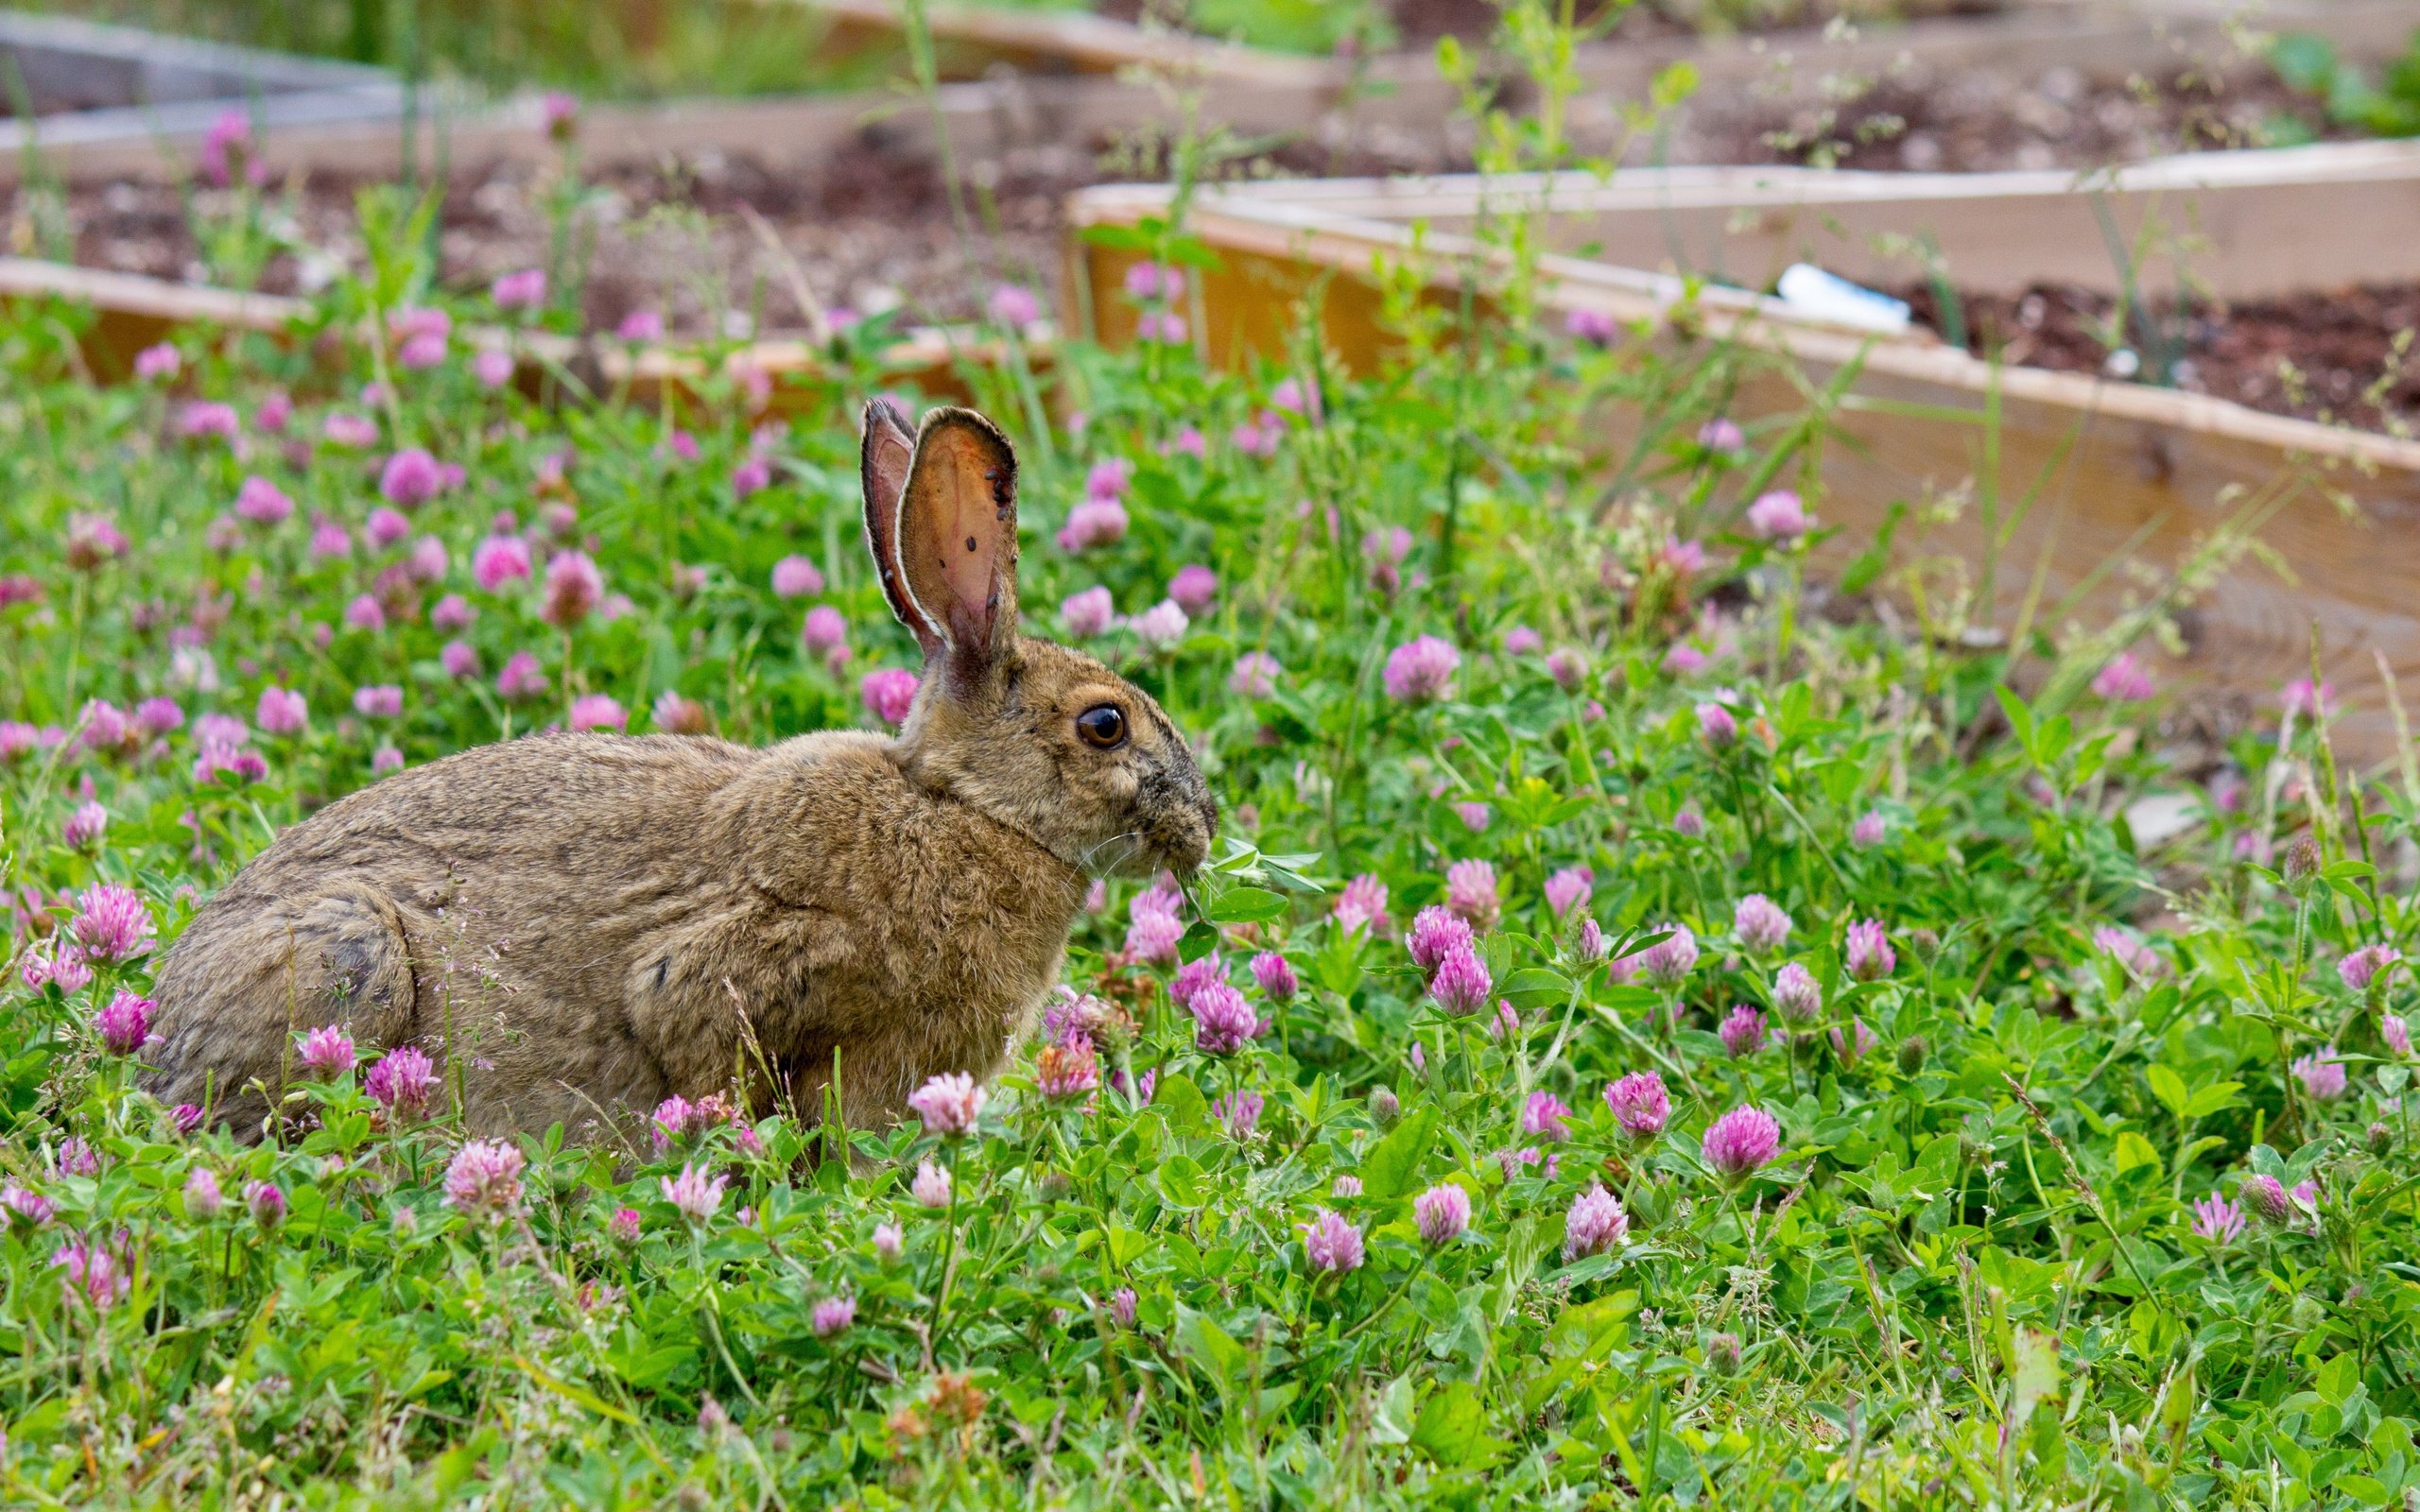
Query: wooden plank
2233	225
2102	40
2110	459
133	312
1058	41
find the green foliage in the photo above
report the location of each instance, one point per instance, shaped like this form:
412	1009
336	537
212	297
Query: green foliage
2387	106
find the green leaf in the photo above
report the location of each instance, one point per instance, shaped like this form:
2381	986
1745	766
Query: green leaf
1390	1419
1199	1339
2336	1379
1465	1335
2217	1097
2037	1372
1453	1426
1181	1182
2133	1150
1247	905
1181	1104
1126	1245
2020	718
2169	1088
1392	1166
2305	61
1535	986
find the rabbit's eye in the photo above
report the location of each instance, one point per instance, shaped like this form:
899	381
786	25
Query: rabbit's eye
1103	727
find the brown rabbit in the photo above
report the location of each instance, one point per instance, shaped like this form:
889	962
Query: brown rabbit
580	920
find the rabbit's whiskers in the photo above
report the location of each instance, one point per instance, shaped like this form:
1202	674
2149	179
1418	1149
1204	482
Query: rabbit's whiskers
1130	839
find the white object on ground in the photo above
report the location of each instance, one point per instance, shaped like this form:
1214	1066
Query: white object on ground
1828	296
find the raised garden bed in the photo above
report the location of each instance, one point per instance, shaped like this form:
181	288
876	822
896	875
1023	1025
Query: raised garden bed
2088	472
862	208
131	313
2201	248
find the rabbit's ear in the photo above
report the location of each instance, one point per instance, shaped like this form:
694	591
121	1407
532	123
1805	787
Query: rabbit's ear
958	538
882	470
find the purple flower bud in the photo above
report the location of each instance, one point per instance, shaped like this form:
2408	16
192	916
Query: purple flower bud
1640	1105
1420	670
1460	984
203	1199
1758	923
1568	888
2218	1220
1543	1117
949	1104
2321	1075
1739	1142
1330	1243
2369	964
125	1022
1868	953
326	1053
1471	891
1275	975
1594	1223
1442	1213
1716	725
265	1202
1436	932
833	1316
1222	1021
1743	1032
1795	993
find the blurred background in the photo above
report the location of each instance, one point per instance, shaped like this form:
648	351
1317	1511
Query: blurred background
843	197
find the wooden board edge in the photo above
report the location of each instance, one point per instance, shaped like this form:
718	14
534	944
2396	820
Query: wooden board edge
136	311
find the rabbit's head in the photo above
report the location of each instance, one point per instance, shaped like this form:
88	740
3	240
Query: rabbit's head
1039	737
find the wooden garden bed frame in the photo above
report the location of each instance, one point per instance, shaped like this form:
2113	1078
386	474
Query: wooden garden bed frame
2227	225
132	312
1058	41
2113	471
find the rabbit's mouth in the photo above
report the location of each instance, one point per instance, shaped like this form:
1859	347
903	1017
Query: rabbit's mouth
1182	843
1180	846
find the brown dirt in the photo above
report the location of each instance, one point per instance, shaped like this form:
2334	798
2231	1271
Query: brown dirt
2342	356
1974	121
867	231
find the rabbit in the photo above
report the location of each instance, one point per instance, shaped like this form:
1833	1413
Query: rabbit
578	926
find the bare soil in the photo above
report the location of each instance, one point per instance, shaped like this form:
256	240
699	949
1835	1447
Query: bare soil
2343	356
1925	120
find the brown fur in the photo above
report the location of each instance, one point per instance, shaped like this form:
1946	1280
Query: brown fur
579	922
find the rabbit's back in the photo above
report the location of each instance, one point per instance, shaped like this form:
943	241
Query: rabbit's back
585	922
481	898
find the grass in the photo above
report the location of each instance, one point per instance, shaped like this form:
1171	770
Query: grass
2089	1185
